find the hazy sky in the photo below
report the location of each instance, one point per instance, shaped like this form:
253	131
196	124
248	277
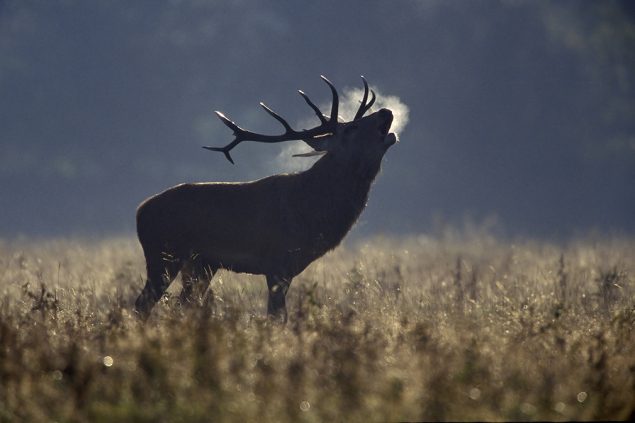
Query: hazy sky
519	110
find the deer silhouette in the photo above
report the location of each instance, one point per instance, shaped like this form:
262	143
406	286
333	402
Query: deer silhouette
275	226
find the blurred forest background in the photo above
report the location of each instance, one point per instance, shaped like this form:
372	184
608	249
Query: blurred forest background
523	111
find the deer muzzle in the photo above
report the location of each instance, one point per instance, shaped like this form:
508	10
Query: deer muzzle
385	120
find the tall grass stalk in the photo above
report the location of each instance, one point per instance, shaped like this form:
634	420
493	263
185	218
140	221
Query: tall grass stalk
446	328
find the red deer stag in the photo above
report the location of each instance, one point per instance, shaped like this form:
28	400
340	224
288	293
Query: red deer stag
275	226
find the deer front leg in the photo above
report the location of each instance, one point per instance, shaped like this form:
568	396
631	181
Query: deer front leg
161	273
276	306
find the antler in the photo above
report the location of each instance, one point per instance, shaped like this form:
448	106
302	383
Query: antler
325	128
363	107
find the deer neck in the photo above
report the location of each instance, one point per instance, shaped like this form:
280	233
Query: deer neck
351	177
340	192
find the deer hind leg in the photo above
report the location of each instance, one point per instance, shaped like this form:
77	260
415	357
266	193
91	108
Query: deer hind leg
195	277
276	305
161	273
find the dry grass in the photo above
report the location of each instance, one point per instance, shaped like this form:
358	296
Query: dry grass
446	328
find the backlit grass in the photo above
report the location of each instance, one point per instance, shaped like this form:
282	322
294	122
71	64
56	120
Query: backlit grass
444	328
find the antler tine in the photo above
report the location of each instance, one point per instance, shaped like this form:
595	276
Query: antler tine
336	100
371	102
315	108
225	150
238	133
369	105
237	130
362	110
276	116
364	107
227	121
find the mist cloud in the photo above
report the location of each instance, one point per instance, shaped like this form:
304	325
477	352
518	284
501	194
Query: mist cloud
349	103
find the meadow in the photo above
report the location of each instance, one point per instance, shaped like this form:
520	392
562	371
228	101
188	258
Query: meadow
455	326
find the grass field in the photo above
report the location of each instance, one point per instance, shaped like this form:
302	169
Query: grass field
444	328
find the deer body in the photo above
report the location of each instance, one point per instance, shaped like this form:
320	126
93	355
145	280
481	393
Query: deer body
275	226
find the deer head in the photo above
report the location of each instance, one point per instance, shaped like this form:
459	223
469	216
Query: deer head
364	139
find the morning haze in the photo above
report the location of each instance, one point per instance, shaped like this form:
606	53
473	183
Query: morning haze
518	110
